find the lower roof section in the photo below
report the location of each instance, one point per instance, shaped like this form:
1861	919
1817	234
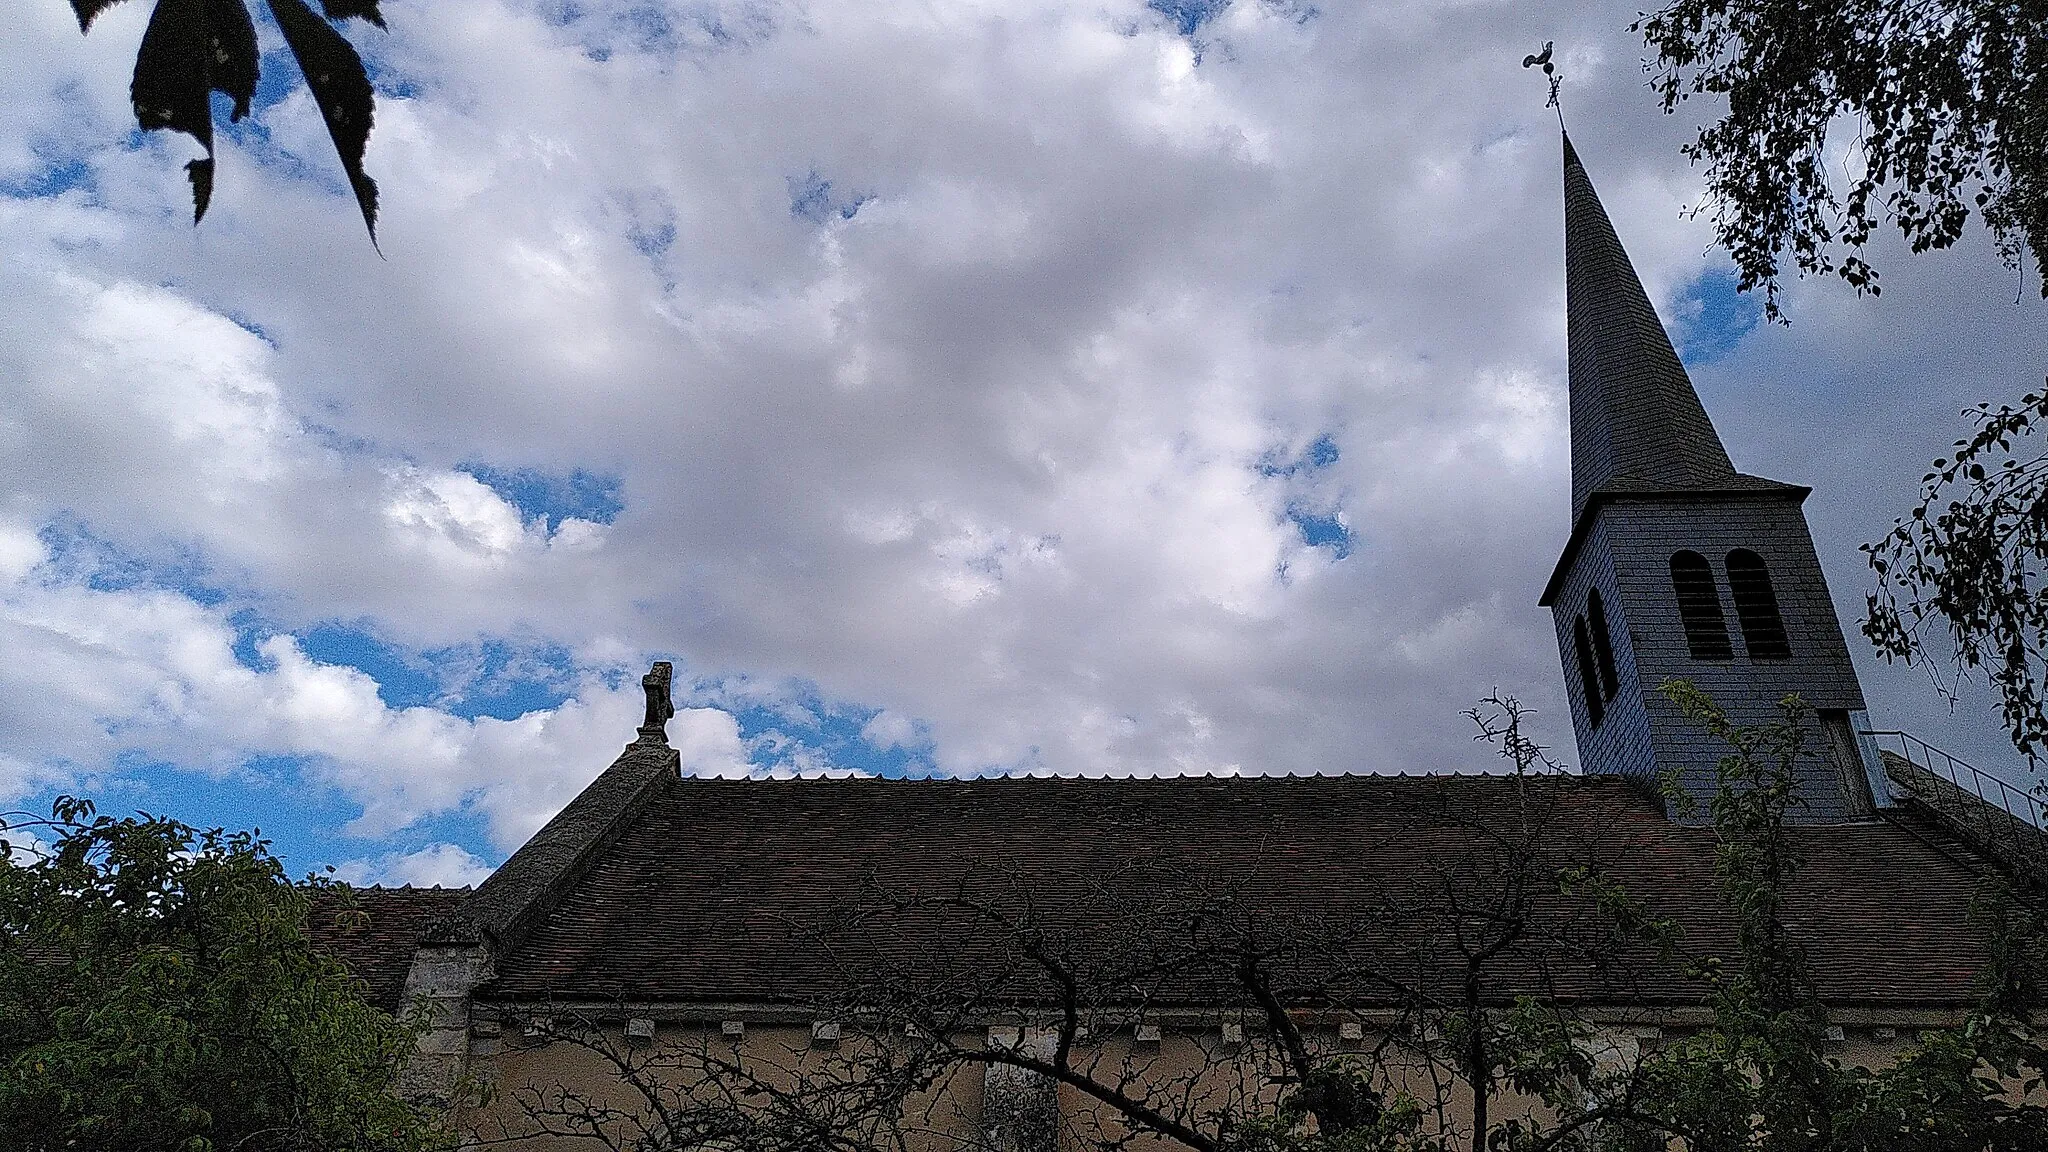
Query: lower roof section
375	931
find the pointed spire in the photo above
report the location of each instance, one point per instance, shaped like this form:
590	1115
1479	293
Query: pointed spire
1636	421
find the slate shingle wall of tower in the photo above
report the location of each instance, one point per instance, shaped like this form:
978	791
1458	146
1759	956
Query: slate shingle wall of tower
1621	745
1628	555
1644	451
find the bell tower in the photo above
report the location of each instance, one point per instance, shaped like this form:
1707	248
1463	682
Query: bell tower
1677	564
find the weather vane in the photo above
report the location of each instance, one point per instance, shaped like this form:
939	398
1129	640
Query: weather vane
1542	60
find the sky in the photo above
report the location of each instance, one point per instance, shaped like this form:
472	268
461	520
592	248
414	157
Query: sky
953	388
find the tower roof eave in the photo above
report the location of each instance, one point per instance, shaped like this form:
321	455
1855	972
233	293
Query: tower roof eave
1634	489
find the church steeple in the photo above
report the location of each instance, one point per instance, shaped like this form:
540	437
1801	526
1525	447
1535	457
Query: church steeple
1636	420
1678	566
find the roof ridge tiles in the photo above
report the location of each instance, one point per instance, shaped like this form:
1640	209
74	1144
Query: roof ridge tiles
1175	780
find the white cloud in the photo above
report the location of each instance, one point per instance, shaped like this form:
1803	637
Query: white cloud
98	673
988	437
435	866
20	552
708	741
22	846
889	730
456	509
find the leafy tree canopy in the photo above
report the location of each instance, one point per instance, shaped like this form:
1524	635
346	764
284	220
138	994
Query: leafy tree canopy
158	991
1965	569
194	48
1761	1078
1844	115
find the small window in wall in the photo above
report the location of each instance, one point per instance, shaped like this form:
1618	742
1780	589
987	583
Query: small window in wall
1603	645
1699	607
1588	677
1756	606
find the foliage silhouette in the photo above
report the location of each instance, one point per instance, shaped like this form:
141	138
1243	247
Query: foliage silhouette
194	48
1837	119
159	992
1968	568
1946	106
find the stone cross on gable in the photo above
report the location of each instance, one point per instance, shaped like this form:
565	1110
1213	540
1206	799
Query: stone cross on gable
660	706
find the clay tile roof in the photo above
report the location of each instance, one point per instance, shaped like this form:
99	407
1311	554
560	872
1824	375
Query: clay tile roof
379	952
733	891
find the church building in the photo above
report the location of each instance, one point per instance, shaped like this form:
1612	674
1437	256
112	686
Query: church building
673	909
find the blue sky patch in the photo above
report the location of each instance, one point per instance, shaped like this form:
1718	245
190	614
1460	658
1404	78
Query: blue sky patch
652	241
288	796
281	796
404	680
1188	15
499	678
504	679
811	198
61	163
778	734
555	496
1714	317
78	555
654	29
647	28
561	14
1319	521
1320	454
57	178
269	793
1320	530
278	74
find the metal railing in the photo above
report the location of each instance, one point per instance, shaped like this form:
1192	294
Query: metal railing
1982	809
1986	788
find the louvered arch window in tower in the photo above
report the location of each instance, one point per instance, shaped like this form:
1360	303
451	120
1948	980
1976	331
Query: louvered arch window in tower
1756	607
1603	644
1589	683
1699	607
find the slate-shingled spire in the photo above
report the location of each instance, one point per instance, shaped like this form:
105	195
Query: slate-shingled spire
1635	416
1680	567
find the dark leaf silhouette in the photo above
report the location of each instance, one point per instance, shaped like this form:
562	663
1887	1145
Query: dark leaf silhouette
172	86
200	172
340	87
339	10
194	48
233	58
89	10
